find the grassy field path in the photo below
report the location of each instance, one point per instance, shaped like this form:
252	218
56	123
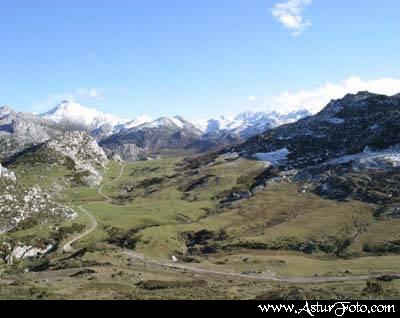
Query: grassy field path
92	226
93	222
101	188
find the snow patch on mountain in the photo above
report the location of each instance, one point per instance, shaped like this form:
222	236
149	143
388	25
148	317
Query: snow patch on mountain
334	120
250	123
274	157
176	122
140	120
160	122
368	159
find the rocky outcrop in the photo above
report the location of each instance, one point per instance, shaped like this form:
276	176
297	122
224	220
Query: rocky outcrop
28	252
88	158
10	254
102	132
19	204
5	174
125	152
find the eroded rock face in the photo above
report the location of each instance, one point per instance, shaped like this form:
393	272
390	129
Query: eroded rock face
10	254
6	174
126	152
30	252
88	158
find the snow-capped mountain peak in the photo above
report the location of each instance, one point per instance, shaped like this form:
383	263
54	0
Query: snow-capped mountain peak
70	112
249	122
159	122
172	122
249	115
244	124
140	120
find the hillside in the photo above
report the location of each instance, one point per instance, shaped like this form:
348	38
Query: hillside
291	213
76	151
19	131
151	138
344	127
22	206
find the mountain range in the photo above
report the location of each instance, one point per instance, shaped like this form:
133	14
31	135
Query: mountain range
318	189
133	139
346	126
246	123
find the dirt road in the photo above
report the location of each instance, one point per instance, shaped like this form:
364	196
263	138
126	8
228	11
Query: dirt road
92	226
263	277
170	265
93	222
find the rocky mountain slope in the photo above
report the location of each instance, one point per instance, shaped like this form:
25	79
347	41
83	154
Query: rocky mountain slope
179	133
76	150
164	133
19	204
346	126
19	131
32	190
350	150
88	158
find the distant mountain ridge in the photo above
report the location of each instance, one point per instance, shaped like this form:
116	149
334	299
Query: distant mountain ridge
245	124
132	139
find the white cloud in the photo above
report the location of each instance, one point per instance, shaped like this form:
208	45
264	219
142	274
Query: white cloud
290	14
89	92
252	98
315	100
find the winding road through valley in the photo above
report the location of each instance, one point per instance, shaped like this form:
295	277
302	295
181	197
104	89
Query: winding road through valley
176	266
101	188
92	220
92	226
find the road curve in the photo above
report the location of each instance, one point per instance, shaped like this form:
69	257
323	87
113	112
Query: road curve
100	190
276	278
92	226
67	248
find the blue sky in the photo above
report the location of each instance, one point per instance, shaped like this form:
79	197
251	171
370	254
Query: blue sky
198	58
